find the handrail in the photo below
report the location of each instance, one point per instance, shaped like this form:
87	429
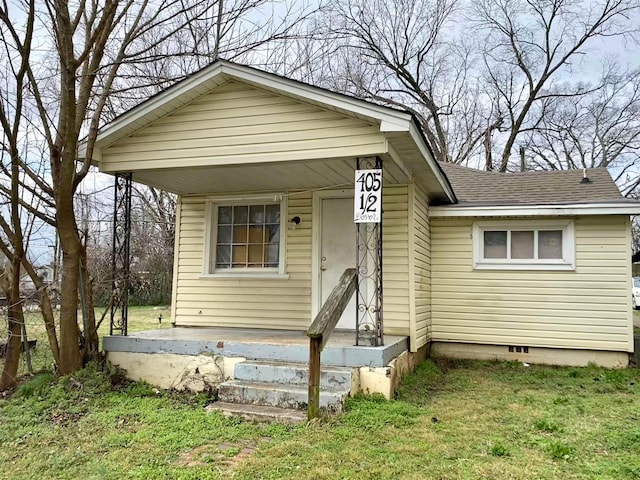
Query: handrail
320	330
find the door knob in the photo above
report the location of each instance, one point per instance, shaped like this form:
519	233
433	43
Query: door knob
323	268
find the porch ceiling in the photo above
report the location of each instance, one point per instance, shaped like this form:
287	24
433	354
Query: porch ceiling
299	175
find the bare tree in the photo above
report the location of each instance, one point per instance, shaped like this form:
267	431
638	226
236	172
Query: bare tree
401	53
13	247
529	45
598	129
96	50
152	244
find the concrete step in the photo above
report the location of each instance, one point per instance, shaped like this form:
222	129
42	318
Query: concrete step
331	378
259	413
278	395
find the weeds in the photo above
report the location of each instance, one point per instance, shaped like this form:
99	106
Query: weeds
452	420
560	451
498	450
546	426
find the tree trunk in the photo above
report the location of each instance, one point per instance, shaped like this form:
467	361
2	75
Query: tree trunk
50	325
9	375
70	357
91	341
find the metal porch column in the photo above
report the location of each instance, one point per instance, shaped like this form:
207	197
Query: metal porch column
121	258
369	331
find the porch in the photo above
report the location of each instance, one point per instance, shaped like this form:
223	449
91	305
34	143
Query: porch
260	374
256	344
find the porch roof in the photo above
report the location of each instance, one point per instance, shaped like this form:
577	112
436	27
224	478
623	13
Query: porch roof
405	147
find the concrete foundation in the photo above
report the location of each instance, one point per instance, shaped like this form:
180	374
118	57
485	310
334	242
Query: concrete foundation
199	373
544	356
202	359
385	380
196	373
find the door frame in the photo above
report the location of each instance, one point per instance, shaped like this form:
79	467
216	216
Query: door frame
316	243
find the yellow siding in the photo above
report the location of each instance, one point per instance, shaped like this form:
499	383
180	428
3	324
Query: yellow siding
395	260
421	261
238	124
588	308
262	303
274	303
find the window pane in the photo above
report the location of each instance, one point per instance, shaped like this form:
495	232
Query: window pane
272	214
273	255
224	234
522	244
256	214
256	234
256	257
495	244
223	256
273	234
224	216
240	215
239	255
550	244
248	236
240	234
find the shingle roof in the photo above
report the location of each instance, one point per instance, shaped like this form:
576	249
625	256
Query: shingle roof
476	187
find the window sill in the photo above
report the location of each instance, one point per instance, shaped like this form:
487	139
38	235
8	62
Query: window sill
524	266
244	275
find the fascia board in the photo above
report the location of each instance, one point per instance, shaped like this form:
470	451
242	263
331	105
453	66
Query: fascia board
536	210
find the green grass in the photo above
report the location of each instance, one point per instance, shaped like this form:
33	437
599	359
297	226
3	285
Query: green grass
464	420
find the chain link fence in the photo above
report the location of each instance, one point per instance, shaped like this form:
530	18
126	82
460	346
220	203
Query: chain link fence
35	353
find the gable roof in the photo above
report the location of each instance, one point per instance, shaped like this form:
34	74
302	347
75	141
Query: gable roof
477	187
401	127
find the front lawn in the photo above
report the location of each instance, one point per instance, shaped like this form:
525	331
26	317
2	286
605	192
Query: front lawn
451	420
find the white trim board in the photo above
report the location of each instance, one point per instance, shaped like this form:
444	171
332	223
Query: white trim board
537	210
567	262
211	223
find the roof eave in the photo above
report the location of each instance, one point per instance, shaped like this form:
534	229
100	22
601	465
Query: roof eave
425	150
613	208
391	120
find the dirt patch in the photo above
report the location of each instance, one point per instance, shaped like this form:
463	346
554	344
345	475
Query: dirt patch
63	418
227	455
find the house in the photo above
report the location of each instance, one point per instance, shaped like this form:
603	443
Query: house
530	267
27	287
44	272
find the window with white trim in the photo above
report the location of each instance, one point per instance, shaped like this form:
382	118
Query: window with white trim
535	245
246	237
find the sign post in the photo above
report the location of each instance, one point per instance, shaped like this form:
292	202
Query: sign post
367	215
368	196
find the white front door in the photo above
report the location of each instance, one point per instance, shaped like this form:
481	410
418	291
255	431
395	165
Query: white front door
337	251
